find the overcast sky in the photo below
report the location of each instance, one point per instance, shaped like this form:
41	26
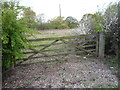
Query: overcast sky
75	8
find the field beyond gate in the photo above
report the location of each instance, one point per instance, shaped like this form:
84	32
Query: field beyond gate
61	46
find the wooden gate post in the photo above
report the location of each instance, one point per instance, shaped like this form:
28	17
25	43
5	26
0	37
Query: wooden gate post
97	44
101	45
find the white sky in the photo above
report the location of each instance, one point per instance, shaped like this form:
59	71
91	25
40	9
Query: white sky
75	8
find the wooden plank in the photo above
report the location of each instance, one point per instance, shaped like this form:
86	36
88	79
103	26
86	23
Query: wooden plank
61	43
91	50
46	44
50	55
60	49
82	49
48	61
57	38
97	44
86	41
93	45
65	42
49	45
42	48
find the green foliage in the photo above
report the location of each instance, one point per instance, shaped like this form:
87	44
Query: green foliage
111	29
55	23
112	62
58	23
14	33
91	23
30	81
98	18
72	22
28	17
103	85
107	22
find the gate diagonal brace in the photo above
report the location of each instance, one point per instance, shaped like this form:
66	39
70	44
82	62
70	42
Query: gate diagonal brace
63	41
39	51
48	45
44	54
84	50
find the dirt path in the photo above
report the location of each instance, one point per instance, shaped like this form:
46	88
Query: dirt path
80	72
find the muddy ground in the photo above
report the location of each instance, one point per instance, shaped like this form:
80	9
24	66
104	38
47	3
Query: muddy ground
77	72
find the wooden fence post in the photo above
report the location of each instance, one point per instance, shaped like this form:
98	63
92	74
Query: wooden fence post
101	45
97	44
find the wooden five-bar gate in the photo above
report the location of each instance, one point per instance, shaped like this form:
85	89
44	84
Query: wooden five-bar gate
92	44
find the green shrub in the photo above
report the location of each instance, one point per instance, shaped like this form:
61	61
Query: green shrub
13	34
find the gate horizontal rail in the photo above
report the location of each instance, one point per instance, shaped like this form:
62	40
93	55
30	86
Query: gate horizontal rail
50	55
83	47
57	38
